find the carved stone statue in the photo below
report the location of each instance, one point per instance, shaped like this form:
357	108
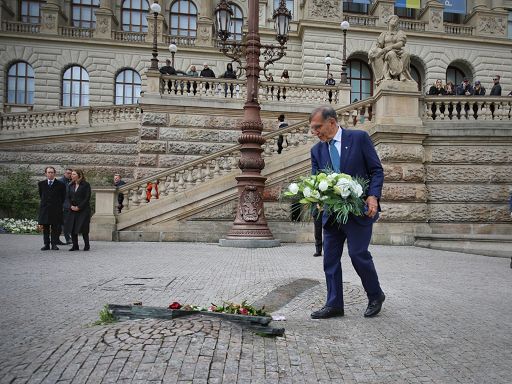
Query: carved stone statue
387	57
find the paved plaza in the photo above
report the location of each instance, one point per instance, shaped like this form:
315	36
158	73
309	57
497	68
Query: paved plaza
446	319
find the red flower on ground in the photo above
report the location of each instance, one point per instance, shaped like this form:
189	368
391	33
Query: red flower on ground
175	305
244	311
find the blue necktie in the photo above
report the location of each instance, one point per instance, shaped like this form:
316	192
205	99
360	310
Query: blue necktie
335	156
50	183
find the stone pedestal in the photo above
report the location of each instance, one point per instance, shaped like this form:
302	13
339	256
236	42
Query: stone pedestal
433	15
398	136
489	23
383	9
103	223
397	103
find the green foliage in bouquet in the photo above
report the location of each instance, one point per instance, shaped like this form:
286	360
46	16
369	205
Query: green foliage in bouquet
337	194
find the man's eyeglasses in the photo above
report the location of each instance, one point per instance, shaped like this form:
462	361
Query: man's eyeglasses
495	79
316	127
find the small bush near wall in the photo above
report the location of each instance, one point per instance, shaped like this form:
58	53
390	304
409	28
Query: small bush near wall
19	198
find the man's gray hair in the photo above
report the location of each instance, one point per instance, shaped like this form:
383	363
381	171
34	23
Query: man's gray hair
325	111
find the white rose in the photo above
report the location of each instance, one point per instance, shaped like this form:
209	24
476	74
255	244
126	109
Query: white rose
307	192
293	188
358	190
315	194
345	193
323	185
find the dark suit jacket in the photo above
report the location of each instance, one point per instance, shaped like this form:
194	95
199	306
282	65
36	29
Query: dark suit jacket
78	222
52	198
358	159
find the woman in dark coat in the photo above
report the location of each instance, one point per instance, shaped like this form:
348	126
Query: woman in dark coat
79	218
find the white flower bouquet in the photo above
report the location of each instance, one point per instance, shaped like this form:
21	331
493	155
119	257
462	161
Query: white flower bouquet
18	225
337	194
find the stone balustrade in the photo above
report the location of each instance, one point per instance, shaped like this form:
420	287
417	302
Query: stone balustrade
467	108
62	118
75	32
186	41
412	25
457	29
132	37
360	20
19	27
141	192
236	89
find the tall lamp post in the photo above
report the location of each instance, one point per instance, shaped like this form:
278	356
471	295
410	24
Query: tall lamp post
250	227
328	61
173	49
156	9
344	27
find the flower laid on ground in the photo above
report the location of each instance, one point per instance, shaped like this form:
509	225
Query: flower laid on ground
228	307
18	225
338	194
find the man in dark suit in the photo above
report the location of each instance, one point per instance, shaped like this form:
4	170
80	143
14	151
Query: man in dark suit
350	152
52	193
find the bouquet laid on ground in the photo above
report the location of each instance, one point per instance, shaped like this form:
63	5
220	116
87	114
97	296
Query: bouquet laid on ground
227	307
18	226
337	194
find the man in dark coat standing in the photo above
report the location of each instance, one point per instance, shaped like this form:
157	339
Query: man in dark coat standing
52	193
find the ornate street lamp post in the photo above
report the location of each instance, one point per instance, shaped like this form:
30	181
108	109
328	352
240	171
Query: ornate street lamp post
250	227
173	49
328	61
344	26
156	9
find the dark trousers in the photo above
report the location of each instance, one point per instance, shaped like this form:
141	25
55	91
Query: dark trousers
318	233
74	239
54	229
65	214
358	238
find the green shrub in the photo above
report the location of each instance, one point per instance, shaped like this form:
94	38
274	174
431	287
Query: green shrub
19	198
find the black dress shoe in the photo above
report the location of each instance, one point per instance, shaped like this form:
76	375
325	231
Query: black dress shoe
45	248
374	306
327	312
55	248
316	254
73	249
86	248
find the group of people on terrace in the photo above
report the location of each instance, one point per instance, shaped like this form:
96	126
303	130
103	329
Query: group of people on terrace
465	88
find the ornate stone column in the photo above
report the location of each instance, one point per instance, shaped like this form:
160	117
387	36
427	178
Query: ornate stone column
432	13
204	37
52	17
161	26
106	20
383	9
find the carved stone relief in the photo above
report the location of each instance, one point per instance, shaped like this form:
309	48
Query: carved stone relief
493	25
327	9
436	17
204	35
102	24
250	204
49	21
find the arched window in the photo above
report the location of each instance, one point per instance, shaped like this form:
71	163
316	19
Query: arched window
20	84
183	18
237	23
75	87
289	5
455	75
360	78
128	85
134	15
30	11
84	13
415	74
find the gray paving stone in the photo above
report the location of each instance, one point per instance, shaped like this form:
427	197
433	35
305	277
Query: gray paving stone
445	320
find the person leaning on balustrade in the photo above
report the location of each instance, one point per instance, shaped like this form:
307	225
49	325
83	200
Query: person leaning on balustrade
330	82
168	69
229	74
207	72
192	72
449	90
285	78
435	90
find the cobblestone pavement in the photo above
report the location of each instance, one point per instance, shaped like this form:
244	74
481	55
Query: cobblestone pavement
446	318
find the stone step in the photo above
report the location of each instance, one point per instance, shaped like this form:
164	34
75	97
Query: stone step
488	245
